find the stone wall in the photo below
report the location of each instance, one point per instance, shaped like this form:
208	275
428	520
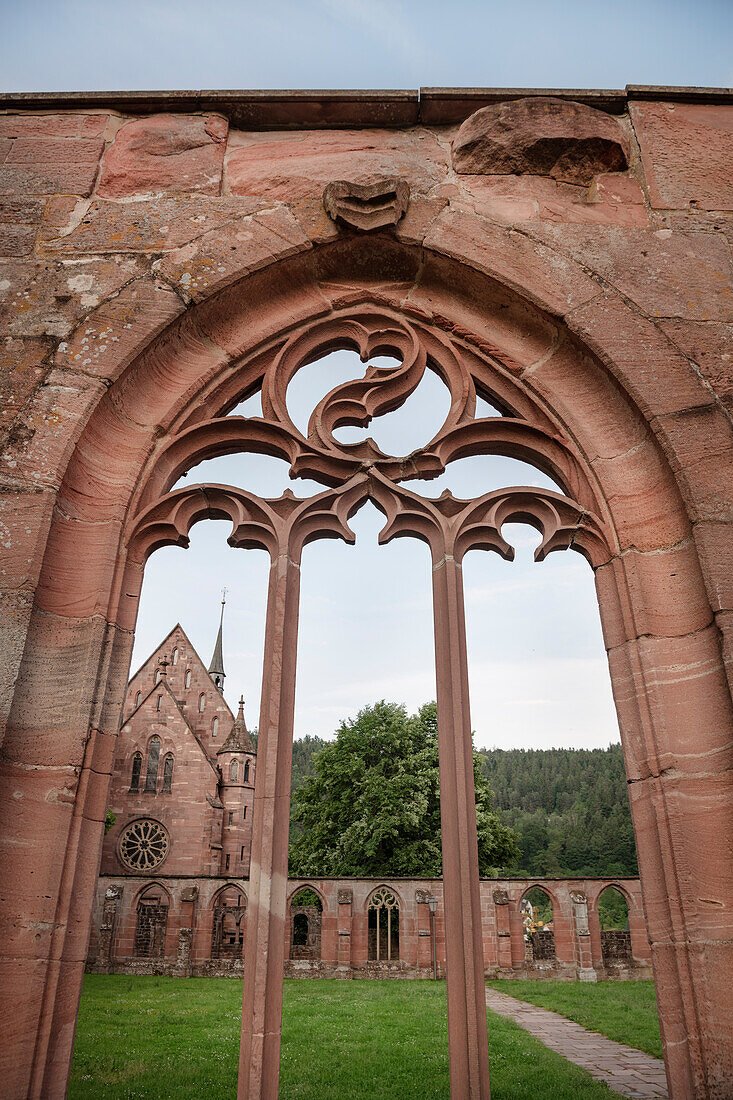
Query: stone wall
569	253
342	935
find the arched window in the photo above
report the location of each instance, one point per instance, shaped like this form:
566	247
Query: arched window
384	926
215	727
613	916
188	677
167	774
234	771
138	697
137	767
202	702
175	655
539	934
158	674
306	914
151	777
158	702
152	918
246	772
230	911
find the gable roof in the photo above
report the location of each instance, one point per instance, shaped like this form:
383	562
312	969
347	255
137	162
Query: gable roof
163	683
195	657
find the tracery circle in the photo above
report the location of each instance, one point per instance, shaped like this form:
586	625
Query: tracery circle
143	845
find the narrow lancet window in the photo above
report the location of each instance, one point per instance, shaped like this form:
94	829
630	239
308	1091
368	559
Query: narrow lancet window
137	767
151	777
167	773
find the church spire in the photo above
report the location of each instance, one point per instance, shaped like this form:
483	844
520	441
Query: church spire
216	668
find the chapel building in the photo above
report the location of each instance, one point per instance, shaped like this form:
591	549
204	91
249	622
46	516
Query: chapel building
182	788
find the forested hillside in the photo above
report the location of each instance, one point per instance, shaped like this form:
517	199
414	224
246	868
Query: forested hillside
568	807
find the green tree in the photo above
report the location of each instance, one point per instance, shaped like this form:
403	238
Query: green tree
371	805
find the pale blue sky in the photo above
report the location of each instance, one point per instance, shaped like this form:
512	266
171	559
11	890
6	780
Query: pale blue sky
538	670
57	45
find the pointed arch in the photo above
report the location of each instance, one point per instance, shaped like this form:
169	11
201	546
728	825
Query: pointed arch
551	338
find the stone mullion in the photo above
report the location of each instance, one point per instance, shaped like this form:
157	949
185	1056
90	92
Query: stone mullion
467	1035
259	1063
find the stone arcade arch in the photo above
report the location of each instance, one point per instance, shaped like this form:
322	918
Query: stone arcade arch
545	343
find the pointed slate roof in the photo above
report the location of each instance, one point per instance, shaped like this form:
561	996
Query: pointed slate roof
216	668
239	739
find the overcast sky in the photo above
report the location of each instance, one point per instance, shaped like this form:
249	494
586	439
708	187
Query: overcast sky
147	44
538	670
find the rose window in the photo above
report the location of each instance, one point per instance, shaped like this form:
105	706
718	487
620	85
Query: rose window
143	845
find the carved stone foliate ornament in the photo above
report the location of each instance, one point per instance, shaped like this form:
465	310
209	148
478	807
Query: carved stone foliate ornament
345	896
367	206
501	897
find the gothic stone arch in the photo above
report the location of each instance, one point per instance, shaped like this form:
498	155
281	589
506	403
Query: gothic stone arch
593	391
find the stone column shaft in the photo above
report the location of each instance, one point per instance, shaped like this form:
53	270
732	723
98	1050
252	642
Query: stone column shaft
259	1060
467	1035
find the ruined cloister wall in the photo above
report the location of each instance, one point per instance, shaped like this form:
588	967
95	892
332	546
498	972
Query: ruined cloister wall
153	252
344	949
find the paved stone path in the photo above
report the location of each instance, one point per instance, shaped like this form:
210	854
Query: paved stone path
625	1070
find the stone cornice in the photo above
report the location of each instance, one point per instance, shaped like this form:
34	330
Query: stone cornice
317	109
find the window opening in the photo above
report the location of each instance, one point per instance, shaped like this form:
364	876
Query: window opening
227	863
539	929
137	767
231	817
143	845
306	917
215	727
159	702
229	920
233	771
202	702
138	697
613	916
152	919
246	771
151	777
167	774
384	926
188	677
175	655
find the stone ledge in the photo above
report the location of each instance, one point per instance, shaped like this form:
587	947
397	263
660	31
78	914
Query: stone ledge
331	109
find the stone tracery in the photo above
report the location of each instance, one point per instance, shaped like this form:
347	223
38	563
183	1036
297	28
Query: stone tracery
353	473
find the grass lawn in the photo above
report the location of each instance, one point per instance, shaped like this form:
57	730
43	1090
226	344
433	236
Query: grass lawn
624	1011
156	1038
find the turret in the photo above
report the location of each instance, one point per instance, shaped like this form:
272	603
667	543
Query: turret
236	759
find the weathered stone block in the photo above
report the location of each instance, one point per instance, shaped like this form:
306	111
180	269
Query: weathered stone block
156	224
46	166
21	370
298	166
666	273
687	153
215	259
543	136
165	153
48	299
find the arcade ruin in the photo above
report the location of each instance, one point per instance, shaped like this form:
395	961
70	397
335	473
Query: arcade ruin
563	255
